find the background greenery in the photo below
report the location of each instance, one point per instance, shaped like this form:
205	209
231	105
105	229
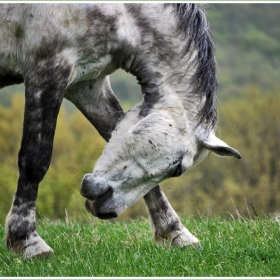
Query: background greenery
247	40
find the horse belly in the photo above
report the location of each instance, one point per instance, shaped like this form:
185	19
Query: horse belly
8	75
10	54
92	69
8	78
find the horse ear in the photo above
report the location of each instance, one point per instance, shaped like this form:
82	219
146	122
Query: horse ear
219	147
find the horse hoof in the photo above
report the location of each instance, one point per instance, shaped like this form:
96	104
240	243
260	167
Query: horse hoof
178	238
38	253
184	239
37	248
29	248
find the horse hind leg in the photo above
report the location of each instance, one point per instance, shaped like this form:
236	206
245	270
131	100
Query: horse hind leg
43	100
165	223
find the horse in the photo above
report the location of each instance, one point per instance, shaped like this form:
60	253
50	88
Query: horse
68	51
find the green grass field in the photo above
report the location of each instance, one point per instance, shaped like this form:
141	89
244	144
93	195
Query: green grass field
231	247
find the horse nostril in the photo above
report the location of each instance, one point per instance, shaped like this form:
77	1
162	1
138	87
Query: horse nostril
87	184
93	187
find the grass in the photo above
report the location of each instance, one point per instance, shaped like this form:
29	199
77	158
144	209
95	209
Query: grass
231	247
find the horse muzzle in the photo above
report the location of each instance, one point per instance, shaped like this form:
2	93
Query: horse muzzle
100	199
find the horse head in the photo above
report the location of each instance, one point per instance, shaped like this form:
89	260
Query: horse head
142	152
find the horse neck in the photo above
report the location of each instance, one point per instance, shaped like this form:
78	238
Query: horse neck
162	65
163	73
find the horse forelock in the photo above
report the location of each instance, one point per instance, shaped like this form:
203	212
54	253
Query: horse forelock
195	30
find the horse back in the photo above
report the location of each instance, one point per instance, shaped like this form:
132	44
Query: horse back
31	33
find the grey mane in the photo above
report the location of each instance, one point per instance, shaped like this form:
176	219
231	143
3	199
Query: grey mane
193	25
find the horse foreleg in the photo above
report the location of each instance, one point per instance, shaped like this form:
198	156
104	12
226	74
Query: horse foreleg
165	223
45	87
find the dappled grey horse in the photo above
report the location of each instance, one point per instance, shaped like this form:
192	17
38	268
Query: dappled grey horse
67	51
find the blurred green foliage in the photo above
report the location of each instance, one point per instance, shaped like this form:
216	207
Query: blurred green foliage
248	54
77	146
247	41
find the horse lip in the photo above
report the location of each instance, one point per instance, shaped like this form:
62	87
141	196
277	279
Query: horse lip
106	206
107	216
95	206
89	205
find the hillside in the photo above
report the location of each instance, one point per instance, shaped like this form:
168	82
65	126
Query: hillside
247	45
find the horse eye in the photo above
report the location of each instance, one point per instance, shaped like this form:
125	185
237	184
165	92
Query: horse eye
177	169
